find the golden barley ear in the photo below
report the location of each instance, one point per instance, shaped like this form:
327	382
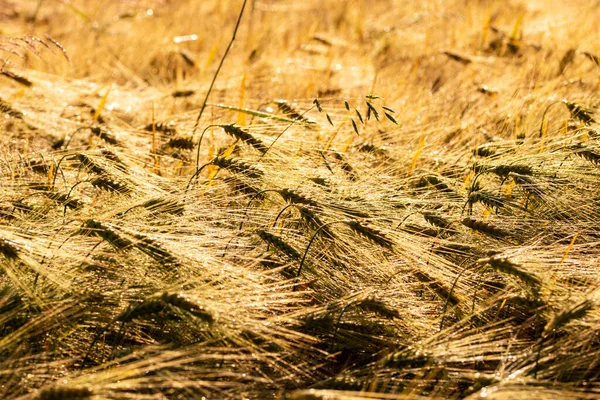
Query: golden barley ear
279	243
8	249
568	314
371	233
66	393
580	112
508	267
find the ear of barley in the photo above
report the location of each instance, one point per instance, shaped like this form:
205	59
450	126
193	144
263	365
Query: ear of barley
65	393
285	108
436	182
279	243
164	127
437	287
105	135
506	266
111	185
567	59
371	233
527	183
345	166
70	202
189	304
237	166
16	77
92	227
419	230
147	307
113	158
155	249
587	154
181	142
378	307
8	249
245	137
484	227
6	108
486	198
437	220
295	197
504	170
91	165
565	316
309	215
579	112
406	359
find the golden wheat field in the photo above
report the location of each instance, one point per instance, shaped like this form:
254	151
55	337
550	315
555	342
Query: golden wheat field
299	200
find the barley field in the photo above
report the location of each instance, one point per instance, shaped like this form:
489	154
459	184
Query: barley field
299	200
